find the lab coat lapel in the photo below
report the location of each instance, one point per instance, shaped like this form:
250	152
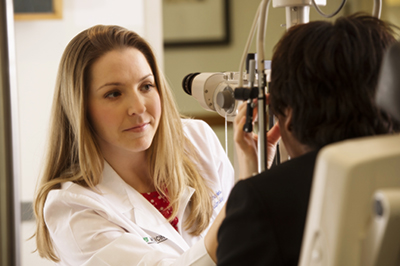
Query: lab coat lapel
151	220
113	187
134	206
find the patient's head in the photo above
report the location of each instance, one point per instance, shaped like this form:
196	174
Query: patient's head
324	78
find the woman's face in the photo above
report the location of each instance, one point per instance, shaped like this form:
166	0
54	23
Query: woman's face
123	104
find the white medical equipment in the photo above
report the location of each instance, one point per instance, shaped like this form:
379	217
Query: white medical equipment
354	209
215	91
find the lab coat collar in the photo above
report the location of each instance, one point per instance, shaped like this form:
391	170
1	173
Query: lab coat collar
112	187
151	220
132	204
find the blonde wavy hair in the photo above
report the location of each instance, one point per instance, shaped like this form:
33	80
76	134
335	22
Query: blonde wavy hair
73	154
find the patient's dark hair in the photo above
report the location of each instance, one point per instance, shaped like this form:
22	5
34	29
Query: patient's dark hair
327	73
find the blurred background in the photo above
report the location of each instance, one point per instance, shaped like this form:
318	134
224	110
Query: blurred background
187	36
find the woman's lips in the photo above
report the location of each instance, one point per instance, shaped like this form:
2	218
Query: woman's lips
138	128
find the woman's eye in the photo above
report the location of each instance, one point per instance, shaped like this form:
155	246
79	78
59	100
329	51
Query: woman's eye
113	94
147	87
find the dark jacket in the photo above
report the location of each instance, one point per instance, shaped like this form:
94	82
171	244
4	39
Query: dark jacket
266	215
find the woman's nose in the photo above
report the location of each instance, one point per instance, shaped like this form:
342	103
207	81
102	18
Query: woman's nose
136	104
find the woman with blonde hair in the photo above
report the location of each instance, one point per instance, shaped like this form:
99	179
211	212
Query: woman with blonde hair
126	180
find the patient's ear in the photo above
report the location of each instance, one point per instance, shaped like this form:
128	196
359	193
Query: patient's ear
293	146
288	119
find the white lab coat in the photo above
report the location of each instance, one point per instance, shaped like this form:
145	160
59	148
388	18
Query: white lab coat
120	227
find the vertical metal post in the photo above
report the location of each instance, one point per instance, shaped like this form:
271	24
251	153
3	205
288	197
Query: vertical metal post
377	8
9	139
262	123
262	115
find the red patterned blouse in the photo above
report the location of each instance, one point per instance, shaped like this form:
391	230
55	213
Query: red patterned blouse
161	205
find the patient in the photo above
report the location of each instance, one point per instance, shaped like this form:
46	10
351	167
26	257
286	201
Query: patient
323	84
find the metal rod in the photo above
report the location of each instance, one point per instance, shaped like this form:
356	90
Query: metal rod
10	210
376	11
261	103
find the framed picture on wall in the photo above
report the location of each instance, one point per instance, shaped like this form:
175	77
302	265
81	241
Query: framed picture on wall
196	22
37	9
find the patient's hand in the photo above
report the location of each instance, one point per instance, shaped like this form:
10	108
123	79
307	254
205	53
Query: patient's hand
246	144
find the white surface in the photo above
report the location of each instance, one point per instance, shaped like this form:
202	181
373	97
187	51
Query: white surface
346	176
